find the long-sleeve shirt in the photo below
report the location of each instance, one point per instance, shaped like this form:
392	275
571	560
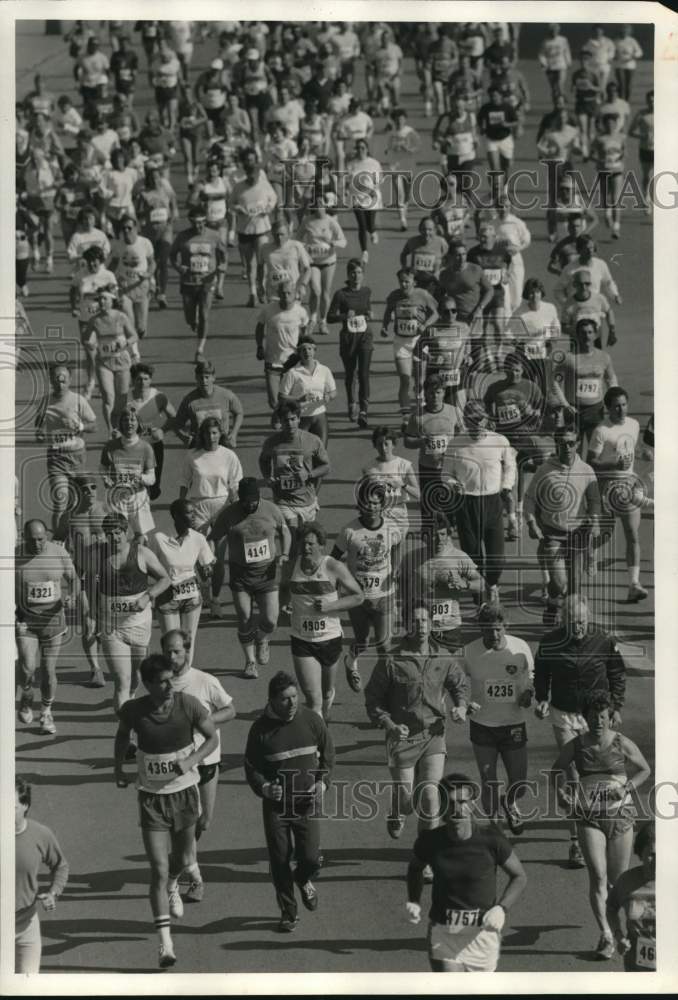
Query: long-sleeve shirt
483	466
569	670
561	497
296	753
36	846
408	687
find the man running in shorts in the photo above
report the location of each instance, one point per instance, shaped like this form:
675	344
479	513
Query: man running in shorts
209	400
501	670
166	723
198	254
293	463
412	310
41	569
280	325
371	546
466	918
206	689
255	534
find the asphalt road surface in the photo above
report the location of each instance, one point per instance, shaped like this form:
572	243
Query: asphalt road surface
103	921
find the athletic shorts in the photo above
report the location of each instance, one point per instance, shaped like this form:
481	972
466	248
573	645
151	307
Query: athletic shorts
500	737
376	607
504	147
295	517
43	630
327	653
243	579
567	725
585	106
408	752
207	772
131	630
173	811
612	826
403	348
253	239
476	949
622	495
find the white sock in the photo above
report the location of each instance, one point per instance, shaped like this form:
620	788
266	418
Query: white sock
162	926
173	883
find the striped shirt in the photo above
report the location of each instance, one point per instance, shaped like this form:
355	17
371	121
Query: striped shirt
297	753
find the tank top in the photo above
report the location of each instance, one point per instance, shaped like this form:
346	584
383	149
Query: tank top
127	581
594	760
307	623
599	770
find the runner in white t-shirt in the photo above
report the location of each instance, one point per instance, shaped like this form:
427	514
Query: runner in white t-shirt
280	325
312	385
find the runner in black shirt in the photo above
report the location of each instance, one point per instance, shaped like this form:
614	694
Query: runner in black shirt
352	307
466	918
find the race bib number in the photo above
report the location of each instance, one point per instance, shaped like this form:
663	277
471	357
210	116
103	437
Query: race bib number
646	953
370	583
319	250
122	605
407	327
279	277
91	306
289	482
130	275
424	262
508	414
500	690
496	118
436	445
314	627
44	592
185	589
588	389
441	613
457	920
202	415
62	437
257	552
200	265
216	210
159	215
159	766
461	145
450	377
167	80
535	349
125	74
109	347
127	476
257	209
356	324
493	275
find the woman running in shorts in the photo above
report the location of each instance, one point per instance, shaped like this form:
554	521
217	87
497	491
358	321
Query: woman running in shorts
316	631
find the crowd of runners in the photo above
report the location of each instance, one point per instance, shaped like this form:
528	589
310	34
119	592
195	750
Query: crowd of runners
504	396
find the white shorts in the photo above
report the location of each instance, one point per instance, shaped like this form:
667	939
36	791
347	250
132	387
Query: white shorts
476	949
130	630
296	516
137	510
403	348
567	725
505	147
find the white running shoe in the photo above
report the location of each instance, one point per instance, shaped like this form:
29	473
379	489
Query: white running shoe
176	903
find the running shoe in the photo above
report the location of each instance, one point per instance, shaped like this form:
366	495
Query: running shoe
263	652
575	857
24	291
49	264
353	412
250	671
395	827
162	301
636	593
309	895
176	904
375	237
96	679
427	874
25	711
606	948
166	957
288	923
323	328
362	420
195	892
219	296
364	257
353	678
47	727
513	817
